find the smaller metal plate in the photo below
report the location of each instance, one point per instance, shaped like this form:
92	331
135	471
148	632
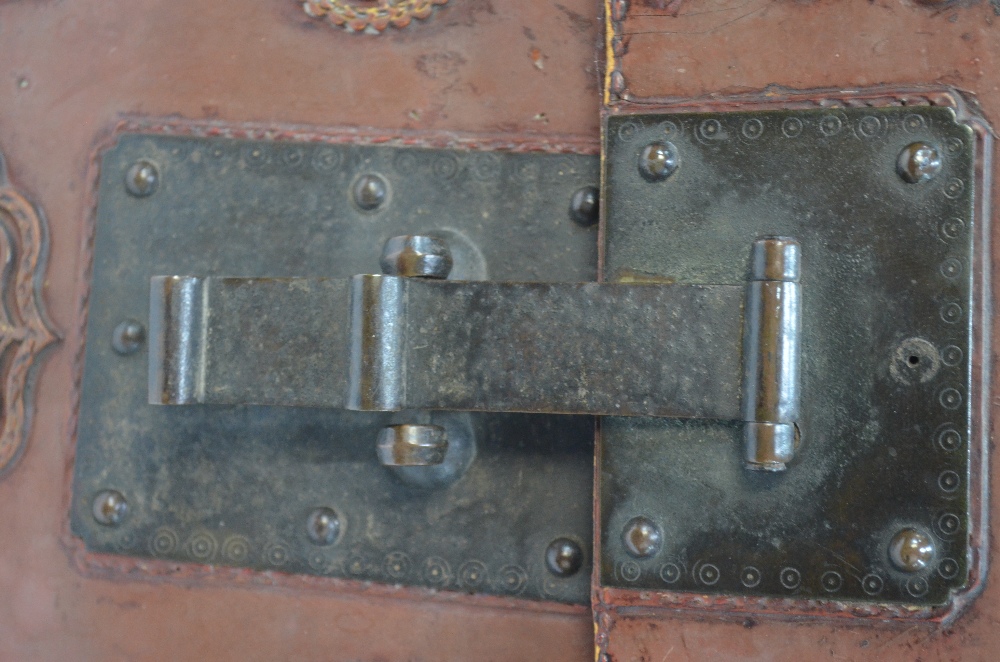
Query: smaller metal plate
235	485
890	421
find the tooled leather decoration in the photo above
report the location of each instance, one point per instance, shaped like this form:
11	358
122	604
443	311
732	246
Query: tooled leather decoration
372	16
25	331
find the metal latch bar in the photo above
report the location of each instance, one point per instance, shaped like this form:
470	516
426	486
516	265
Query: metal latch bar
589	348
388	343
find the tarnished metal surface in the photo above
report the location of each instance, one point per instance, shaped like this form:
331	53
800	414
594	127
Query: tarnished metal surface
412	445
586	348
884	260
249	341
772	344
416	256
654	350
239	486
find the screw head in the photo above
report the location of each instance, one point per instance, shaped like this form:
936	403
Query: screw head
658	161
584	206
416	256
128	337
911	550
563	557
323	526
109	507
918	162
642	537
142	179
370	191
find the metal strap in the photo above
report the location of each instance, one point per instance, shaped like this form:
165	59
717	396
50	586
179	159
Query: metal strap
384	343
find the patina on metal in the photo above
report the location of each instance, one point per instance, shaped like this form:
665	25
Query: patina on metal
412	445
415	256
647	349
887	390
771	348
128	337
382	343
240	485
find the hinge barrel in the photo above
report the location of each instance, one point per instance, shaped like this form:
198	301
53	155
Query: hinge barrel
771	354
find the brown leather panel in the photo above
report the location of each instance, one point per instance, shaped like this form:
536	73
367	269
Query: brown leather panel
722	47
68	71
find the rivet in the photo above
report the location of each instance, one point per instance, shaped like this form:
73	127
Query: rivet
918	162
658	161
128	337
911	550
642	537
584	207
109	507
370	192
416	256
323	526
142	179
564	557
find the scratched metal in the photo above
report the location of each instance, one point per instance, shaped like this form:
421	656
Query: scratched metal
235	485
887	343
383	343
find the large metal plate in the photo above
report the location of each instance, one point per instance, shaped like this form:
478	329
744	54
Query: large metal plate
887	425
235	485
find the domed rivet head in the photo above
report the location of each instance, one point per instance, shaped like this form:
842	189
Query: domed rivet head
911	550
323	526
370	192
563	557
128	337
416	256
642	538
918	162
658	161
142	179
109	507
584	206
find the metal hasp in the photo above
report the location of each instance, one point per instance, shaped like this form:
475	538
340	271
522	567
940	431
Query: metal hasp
867	342
384	343
405	343
494	505
848	366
